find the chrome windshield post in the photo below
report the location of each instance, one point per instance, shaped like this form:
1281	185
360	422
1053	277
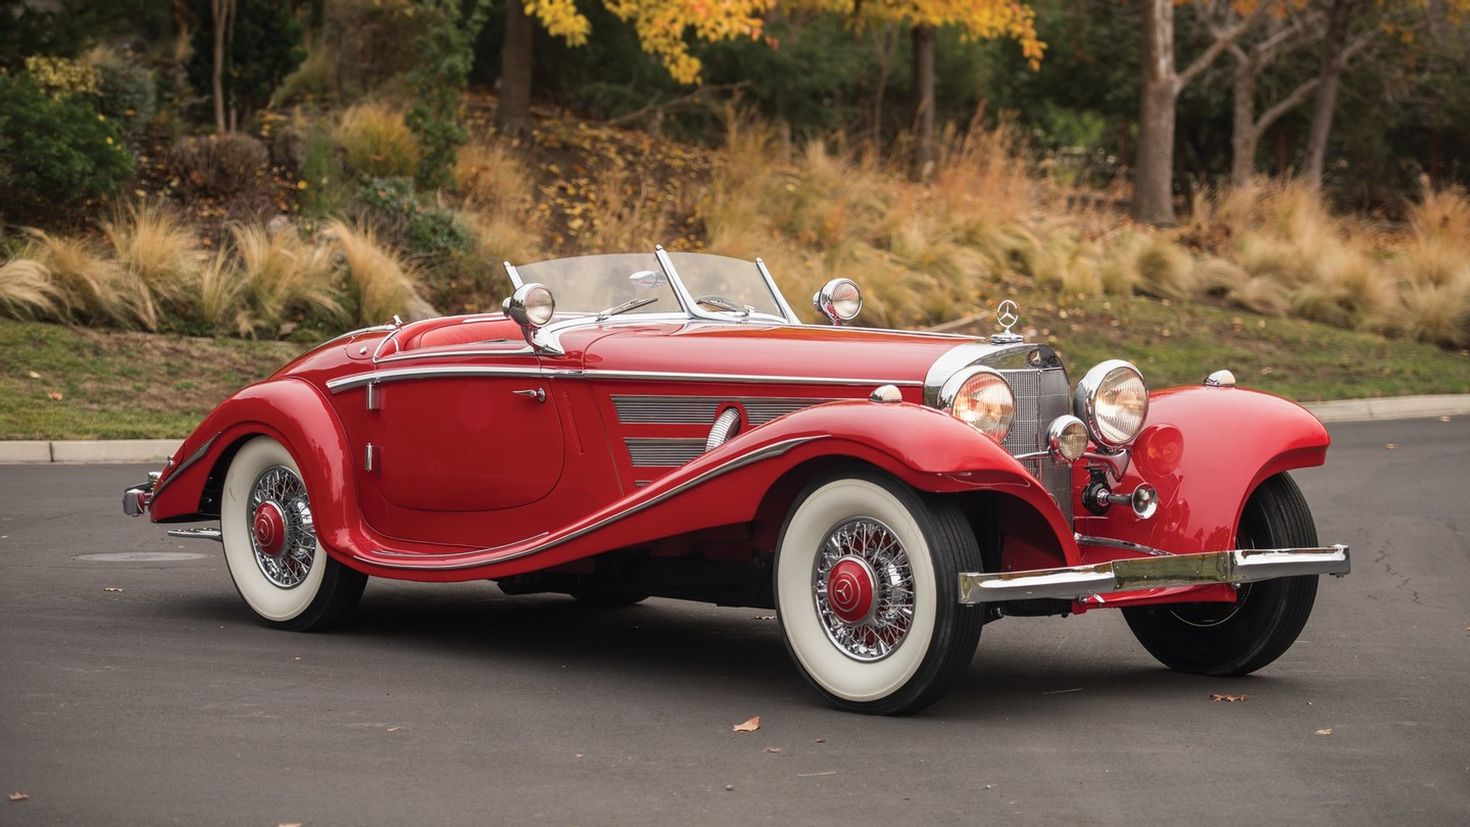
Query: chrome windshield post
686	301
776	292
515	275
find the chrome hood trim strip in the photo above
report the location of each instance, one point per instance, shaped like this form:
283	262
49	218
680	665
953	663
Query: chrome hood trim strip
343	383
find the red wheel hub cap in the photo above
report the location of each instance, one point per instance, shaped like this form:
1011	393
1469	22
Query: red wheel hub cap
269	528
850	591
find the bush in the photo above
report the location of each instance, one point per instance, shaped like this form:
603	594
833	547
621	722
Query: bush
395	207
218	164
377	141
127	94
55	154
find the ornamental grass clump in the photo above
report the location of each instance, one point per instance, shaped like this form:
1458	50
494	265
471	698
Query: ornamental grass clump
377	141
26	291
378	281
281	275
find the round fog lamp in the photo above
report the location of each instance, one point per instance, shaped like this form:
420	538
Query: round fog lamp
1067	439
532	305
839	300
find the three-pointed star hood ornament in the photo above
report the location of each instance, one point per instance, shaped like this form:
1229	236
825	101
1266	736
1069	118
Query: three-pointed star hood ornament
1007	314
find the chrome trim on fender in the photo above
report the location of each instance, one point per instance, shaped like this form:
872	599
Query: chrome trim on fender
184	466
1244	565
343	383
743	378
775	449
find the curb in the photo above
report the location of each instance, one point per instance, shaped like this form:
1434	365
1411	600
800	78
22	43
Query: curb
101	452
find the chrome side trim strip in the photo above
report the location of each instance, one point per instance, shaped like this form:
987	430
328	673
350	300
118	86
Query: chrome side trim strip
1242	565
343	383
743	378
775	449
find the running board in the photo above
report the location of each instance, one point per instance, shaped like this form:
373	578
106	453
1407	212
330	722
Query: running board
197	534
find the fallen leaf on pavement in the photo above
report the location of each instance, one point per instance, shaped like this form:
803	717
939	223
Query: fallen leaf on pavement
18	796
815	774
824	740
774	749
55	396
394	728
1327	731
1391	445
1230	699
111	589
749	726
289	824
1445	418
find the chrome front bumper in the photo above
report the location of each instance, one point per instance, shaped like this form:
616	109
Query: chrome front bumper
136	499
1245	565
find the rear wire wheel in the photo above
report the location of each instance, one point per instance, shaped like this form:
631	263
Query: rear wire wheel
278	567
866	585
1225	639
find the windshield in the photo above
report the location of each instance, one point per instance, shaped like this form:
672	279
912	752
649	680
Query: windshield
590	284
718	286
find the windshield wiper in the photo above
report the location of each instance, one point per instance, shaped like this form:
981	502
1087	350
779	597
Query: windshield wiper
630	304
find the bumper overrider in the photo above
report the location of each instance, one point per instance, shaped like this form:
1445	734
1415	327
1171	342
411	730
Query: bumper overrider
1235	566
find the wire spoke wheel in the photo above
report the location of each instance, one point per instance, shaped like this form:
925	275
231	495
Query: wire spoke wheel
282	534
864	589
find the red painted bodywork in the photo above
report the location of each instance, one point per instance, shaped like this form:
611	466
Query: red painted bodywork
479	481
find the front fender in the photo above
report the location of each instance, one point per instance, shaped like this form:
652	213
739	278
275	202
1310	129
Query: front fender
1206	449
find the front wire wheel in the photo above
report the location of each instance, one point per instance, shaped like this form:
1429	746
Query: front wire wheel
1238	638
866	583
271	548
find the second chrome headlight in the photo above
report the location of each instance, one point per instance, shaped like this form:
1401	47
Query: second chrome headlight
1113	400
981	398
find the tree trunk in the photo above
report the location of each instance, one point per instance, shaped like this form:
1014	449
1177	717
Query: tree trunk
1153	175
221	10
923	92
315	21
1244	136
514	114
1334	49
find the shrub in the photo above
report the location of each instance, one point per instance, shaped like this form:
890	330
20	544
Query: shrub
395	207
26	291
378	142
281	275
379	283
218	164
491	176
160	254
127	94
61	77
54	154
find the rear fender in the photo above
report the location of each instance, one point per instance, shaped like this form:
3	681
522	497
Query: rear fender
1206	449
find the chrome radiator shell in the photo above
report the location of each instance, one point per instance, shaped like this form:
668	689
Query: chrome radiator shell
1042	395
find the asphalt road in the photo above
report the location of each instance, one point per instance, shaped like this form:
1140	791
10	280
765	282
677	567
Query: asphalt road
141	692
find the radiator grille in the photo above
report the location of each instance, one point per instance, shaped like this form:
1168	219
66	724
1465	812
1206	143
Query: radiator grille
1042	395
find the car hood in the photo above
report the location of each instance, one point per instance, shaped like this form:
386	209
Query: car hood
752	350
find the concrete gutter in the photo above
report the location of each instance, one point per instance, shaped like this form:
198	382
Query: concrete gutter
121	451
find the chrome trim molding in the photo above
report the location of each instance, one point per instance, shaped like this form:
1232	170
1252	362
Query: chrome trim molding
657	452
886	395
343	383
637	409
1085	540
786	310
742	378
184	466
775	449
1245	565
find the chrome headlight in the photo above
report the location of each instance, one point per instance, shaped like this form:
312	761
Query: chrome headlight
981	398
1113	400
839	300
531	306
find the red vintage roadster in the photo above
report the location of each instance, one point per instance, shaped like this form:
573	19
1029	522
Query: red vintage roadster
663	424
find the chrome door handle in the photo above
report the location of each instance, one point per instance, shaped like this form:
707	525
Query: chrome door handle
538	394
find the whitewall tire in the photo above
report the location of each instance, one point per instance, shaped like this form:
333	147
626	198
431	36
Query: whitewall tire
866	582
271	550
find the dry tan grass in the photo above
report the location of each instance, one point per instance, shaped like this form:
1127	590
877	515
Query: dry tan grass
281	274
378	141
26	291
380	281
492	178
221	296
160	254
90	286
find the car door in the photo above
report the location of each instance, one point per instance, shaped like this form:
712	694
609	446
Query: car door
464	429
